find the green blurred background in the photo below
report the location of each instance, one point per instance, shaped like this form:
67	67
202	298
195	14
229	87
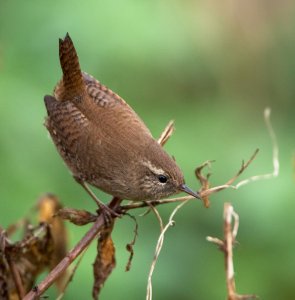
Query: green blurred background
212	66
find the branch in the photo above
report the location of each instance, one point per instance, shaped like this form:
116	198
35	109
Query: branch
71	276
230	233
275	154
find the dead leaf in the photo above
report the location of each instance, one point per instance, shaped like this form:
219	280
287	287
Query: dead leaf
105	260
75	216
27	258
204	180
41	247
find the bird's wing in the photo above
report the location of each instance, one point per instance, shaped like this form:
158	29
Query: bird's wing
101	95
82	144
66	125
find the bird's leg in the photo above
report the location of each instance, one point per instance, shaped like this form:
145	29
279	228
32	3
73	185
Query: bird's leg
103	208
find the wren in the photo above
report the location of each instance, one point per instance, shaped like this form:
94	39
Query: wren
103	141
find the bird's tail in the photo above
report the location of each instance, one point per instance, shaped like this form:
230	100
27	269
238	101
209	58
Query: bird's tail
72	86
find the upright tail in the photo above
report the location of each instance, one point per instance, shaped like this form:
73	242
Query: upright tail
72	86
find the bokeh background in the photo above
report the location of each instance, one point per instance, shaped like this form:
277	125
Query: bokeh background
212	66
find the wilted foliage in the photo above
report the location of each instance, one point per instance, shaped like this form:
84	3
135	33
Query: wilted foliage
40	248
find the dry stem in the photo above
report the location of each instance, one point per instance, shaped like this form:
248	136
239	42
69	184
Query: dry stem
166	134
230	233
275	154
73	271
160	245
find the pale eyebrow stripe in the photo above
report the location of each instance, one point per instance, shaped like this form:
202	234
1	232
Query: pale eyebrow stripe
154	169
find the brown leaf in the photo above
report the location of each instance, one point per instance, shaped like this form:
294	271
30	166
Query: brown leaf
204	180
105	260
26	259
75	216
41	247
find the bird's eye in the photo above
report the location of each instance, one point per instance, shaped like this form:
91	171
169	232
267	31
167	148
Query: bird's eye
162	178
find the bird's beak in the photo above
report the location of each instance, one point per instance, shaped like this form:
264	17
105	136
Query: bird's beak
187	190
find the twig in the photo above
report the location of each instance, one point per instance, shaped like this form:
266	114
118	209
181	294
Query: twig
135	205
275	154
230	233
73	271
228	250
275	160
166	134
149	291
129	246
160	245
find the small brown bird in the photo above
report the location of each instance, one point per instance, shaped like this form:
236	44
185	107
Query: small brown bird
103	141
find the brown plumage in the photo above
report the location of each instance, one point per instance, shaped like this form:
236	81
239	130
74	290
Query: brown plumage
103	141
